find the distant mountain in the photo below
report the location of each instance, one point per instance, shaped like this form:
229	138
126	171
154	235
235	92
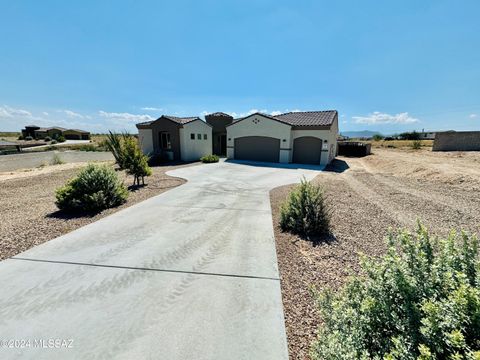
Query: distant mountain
359	134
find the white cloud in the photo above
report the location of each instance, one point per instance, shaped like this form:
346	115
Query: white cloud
276	112
473	116
9	112
151	108
377	118
125	117
71	114
45	113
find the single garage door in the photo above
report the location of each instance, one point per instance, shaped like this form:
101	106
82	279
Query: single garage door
257	148
307	150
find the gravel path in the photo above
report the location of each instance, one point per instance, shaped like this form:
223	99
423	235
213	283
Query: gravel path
392	188
30	217
32	160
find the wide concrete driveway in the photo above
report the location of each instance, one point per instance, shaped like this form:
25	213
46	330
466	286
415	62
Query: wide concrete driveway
189	274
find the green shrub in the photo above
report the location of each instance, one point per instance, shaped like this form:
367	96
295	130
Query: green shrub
97	187
416	144
378	137
57	160
87	147
305	212
20	137
420	301
53	142
60	139
128	155
209	159
28	138
47	138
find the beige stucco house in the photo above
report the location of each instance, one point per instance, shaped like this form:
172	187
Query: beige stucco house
308	137
176	138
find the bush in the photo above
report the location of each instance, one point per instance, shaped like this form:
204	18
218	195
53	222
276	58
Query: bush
409	136
47	138
57	160
60	139
378	137
420	301
20	137
209	159
97	187
416	144
129	156
305	212
53	142
28	138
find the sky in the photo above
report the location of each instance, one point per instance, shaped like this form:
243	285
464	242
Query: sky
386	66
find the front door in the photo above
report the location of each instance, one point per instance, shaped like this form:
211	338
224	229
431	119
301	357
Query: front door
223	145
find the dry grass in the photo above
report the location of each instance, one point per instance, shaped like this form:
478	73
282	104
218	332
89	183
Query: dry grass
399	143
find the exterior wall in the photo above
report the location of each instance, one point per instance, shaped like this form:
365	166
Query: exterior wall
457	141
165	125
145	140
328	136
258	125
193	150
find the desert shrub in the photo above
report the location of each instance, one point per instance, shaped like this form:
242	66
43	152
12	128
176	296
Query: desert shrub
416	144
114	143
20	137
28	138
47	138
135	162
409	136
57	160
209	159
88	147
60	138
54	142
97	187
378	137
305	211
420	301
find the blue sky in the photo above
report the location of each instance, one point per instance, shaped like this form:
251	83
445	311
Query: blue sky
384	65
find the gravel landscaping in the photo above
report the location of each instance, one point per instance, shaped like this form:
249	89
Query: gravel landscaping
391	188
30	217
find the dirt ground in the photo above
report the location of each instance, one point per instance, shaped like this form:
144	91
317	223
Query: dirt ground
391	188
27	204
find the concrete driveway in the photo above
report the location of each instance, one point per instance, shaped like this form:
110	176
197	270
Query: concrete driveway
189	274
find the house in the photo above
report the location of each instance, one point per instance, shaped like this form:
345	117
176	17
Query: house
176	138
426	135
38	132
308	137
219	121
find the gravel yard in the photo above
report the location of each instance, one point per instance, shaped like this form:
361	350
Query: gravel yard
391	188
28	213
37	159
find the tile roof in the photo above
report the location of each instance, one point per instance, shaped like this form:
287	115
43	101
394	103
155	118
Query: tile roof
302	118
178	120
308	118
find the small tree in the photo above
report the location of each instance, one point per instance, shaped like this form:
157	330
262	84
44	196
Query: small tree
114	143
135	162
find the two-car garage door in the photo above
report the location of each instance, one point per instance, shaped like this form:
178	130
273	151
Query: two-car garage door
257	148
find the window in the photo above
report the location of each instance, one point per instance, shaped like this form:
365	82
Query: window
199	136
204	136
165	142
192	136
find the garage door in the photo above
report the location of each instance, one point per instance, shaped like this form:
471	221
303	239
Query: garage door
307	150
257	148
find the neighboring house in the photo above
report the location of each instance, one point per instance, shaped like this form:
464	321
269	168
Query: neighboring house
308	137
176	138
219	121
37	132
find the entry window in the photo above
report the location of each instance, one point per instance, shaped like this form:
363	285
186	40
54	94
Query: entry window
204	136
192	136
165	141
199	136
